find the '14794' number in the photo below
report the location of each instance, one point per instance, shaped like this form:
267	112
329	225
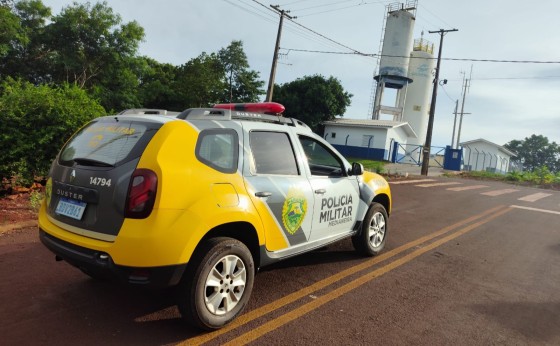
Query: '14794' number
99	181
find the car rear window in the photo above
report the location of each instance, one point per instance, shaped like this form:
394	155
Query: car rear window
108	142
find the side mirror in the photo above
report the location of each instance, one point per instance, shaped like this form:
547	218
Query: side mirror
357	169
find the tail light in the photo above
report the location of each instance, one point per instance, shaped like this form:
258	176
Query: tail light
141	194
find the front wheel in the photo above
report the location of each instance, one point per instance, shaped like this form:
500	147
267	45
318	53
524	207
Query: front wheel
218	284
371	239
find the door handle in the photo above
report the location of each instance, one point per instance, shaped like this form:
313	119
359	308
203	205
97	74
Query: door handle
320	191
263	194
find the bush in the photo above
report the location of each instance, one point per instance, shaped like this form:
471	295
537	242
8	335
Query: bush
370	165
542	175
36	121
514	176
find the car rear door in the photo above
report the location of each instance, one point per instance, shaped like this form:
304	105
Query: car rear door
277	185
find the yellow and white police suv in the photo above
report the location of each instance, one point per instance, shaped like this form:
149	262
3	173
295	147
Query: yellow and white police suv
204	198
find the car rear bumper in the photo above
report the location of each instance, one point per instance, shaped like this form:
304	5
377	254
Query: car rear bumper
99	264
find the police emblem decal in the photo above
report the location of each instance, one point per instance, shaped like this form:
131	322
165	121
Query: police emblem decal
294	210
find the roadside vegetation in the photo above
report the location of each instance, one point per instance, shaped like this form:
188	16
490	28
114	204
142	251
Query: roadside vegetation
369	165
540	177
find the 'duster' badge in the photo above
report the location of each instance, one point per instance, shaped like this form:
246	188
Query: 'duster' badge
294	210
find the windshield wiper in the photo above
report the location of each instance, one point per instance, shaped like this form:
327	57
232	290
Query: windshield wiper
83	161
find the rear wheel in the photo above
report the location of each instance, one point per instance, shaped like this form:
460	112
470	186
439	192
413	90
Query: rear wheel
218	284
371	240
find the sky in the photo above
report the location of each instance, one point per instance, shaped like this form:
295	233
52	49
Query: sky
506	100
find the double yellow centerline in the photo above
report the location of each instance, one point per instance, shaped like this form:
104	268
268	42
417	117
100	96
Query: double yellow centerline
458	229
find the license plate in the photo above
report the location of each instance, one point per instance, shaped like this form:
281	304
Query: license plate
71	208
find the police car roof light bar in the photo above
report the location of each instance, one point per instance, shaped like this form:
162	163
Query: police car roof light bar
262	107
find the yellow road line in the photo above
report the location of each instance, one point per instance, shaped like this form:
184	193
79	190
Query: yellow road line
290	298
313	305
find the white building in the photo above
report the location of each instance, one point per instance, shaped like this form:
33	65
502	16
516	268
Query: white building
483	155
372	139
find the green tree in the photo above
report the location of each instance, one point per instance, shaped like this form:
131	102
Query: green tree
535	152
313	99
158	87
84	44
24	54
10	30
96	51
88	39
36	121
243	84
200	81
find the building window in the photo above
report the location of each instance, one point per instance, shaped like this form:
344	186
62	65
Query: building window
333	135
367	141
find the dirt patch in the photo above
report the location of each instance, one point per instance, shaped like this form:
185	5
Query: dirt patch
16	208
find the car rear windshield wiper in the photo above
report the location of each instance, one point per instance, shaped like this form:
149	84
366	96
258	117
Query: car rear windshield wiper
82	161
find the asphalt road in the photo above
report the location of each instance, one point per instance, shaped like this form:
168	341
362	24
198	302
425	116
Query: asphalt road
466	263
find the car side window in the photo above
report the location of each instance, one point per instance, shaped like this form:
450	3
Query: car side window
273	153
321	160
218	148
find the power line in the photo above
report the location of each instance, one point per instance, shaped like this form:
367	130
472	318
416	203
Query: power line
438	18
268	19
322	5
341	8
293	2
316	33
269	16
329	39
417	57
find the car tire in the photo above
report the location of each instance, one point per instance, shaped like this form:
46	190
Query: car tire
217	285
371	238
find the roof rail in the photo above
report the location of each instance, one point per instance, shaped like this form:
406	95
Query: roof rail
224	114
147	111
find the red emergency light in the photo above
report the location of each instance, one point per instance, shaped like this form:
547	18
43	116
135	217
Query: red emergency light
262	107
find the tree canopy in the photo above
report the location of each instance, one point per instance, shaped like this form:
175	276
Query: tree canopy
313	99
243	84
35	123
90	46
57	71
536	152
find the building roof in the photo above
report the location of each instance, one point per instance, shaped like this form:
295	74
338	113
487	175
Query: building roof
481	140
369	123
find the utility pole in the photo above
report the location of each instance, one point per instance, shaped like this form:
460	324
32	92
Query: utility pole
462	112
454	124
465	87
428	143
283	14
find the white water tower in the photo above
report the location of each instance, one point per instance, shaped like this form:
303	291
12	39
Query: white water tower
394	62
417	105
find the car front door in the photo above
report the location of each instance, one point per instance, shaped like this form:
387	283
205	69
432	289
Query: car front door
337	195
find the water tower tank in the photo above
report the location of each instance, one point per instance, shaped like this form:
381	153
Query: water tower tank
397	44
394	61
417	105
